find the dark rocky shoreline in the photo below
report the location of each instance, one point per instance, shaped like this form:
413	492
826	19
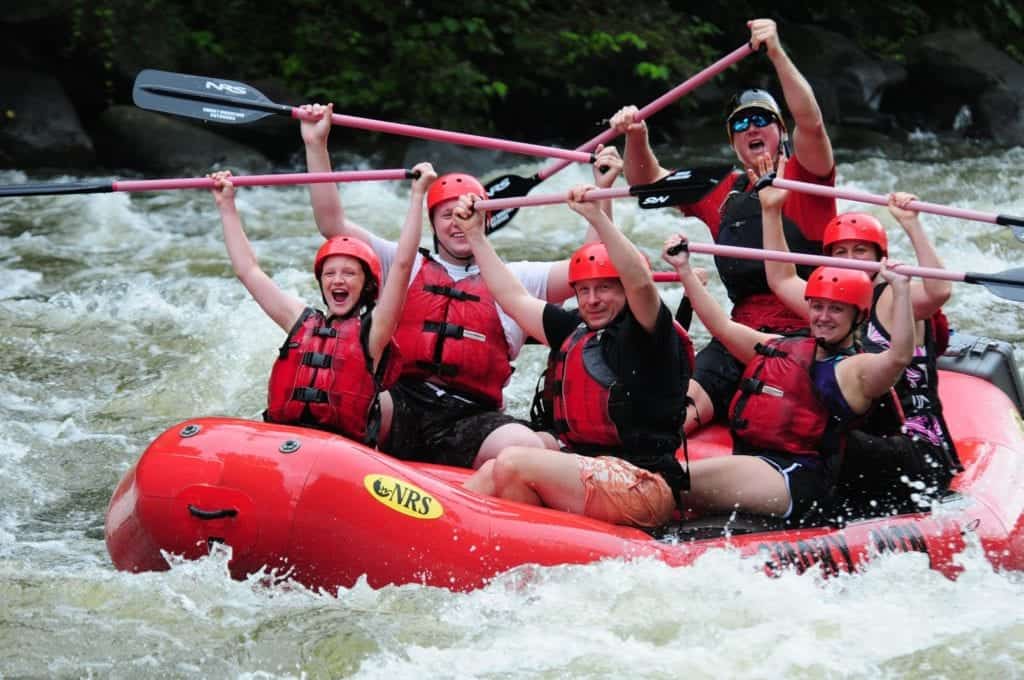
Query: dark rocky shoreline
953	84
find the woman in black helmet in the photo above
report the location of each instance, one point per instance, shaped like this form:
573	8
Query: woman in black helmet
732	212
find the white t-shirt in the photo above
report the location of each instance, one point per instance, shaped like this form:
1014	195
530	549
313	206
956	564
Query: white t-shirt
533	276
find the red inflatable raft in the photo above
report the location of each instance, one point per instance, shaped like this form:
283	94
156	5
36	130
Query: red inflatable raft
327	511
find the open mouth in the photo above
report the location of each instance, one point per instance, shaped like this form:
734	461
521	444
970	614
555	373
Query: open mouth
339	296
757	146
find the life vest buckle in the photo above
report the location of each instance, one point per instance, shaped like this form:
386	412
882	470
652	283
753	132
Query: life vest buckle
453	293
317	359
444	329
309	394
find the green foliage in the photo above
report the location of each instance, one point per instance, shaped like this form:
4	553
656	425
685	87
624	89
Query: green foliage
519	66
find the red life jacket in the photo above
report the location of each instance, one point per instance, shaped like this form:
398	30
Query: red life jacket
579	387
776	407
451	332
324	378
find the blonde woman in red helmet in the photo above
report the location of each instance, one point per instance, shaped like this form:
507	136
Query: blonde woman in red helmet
457	343
334	366
903	454
797	394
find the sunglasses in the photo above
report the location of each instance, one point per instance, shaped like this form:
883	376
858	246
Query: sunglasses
743	124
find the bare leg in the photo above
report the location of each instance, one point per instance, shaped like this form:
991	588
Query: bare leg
512	434
737	482
540	477
702	411
482	481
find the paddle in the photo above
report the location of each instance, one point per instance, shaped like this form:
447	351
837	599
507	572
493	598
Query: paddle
228	101
508	186
681	186
104	187
1007	284
1015	223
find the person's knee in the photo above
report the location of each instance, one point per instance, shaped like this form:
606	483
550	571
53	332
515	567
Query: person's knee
510	466
510	434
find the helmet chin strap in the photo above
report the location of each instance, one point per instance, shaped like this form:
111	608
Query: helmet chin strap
438	247
837	346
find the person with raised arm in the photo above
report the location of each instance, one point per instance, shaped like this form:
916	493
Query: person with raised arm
335	366
457	343
756	129
614	387
904	441
797	394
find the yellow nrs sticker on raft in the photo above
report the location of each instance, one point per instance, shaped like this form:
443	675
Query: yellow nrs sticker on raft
404	497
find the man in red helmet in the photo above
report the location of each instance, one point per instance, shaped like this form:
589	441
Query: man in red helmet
797	394
903	453
614	388
456	342
756	129
334	368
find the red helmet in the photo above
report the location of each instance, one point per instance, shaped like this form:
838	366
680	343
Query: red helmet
854	226
591	262
453	185
353	247
848	286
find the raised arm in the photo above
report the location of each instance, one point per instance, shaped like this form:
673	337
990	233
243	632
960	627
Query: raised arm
740	340
508	291
637	280
928	295
865	377
810	140
641	165
607	168
782	276
325	198
281	307
392	297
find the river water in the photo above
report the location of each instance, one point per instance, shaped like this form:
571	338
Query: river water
121	317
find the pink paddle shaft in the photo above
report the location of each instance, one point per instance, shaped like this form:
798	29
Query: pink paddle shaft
863	197
811	260
452	137
261	180
658	104
547	199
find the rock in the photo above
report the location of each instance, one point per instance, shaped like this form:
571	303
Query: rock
950	70
38	125
128	137
847	81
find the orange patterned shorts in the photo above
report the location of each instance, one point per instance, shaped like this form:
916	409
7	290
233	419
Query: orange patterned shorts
619	492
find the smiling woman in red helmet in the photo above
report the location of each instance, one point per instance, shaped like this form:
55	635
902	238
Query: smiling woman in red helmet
334	365
905	442
614	388
456	342
797	395
756	129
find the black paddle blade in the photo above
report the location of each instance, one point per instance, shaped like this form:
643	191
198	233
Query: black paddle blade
508	186
56	189
680	187
1007	284
210	99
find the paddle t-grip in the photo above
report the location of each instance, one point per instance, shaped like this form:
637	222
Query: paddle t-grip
677	248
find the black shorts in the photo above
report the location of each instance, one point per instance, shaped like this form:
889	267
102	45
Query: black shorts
809	482
718	373
439	428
